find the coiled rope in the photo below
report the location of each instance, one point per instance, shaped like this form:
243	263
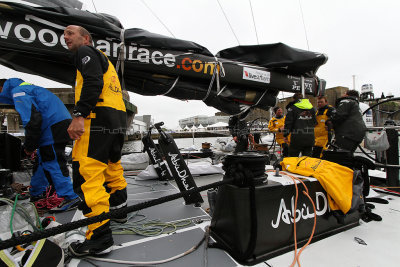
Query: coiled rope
14	241
146	227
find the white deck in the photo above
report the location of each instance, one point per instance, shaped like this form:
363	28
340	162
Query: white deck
382	238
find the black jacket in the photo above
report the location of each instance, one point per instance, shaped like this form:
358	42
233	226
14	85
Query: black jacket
347	119
300	122
92	64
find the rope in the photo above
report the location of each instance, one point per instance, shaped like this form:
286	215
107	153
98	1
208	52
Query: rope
104	216
121	55
151	262
304	25
254	22
297	255
215	74
12	214
121	58
261	97
155	15
227	20
172	87
222	89
50	201
146	227
23	213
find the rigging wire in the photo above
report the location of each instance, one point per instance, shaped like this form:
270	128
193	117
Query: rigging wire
227	20
155	15
94	6
304	25
254	22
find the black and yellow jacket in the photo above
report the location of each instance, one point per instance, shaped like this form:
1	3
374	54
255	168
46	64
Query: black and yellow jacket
322	135
98	92
300	122
275	125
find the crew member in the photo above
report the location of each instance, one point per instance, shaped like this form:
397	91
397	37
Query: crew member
45	119
276	125
323	130
299	123
347	122
98	128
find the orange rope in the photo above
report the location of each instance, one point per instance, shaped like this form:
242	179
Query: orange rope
313	230
294	225
297	255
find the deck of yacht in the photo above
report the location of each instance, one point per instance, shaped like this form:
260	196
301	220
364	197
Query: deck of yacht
381	238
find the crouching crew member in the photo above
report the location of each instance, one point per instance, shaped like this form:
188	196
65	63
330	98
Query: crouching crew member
98	128
323	130
45	119
276	125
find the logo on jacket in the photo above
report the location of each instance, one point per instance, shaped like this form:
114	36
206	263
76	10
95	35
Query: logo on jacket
114	86
305	115
85	60
18	94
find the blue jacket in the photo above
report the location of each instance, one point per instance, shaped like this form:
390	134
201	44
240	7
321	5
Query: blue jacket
44	116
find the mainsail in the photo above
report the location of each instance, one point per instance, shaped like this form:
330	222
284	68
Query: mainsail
151	64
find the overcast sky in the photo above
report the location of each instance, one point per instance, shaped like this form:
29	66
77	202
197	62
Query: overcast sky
361	38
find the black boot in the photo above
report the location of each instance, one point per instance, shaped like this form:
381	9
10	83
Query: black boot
101	242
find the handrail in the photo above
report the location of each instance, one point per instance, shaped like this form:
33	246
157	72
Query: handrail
387	166
379	103
383	127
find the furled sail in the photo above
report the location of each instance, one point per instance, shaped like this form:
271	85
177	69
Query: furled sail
31	41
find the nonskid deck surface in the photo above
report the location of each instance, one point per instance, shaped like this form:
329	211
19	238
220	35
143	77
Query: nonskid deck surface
382	238
141	248
338	250
382	242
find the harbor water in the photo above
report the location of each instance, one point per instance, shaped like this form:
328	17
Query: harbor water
182	143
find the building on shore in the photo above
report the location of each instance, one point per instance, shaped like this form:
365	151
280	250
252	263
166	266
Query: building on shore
137	127
203	120
146	119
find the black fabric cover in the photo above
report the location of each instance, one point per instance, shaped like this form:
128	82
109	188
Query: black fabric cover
146	38
278	56
32	42
57	3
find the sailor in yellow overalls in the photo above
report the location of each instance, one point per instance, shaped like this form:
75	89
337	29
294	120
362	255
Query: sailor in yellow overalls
323	130
276	125
98	128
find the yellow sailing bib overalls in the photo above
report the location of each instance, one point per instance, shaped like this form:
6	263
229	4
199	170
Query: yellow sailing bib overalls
96	155
320	132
